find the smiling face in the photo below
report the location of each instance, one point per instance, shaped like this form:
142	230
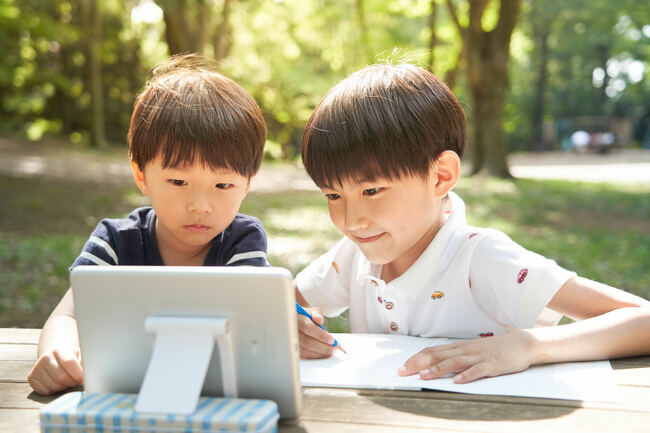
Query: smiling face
193	204
392	221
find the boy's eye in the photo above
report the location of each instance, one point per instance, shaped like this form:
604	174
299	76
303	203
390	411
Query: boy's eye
332	196
371	191
177	182
224	185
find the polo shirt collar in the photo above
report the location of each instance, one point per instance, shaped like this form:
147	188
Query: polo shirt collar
412	281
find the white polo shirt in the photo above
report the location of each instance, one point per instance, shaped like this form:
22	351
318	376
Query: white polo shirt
469	282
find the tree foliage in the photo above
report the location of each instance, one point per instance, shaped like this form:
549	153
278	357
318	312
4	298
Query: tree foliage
597	62
567	59
45	71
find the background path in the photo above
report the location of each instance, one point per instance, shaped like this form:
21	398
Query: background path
24	159
625	166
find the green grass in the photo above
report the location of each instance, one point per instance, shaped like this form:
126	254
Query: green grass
43	226
297	224
600	231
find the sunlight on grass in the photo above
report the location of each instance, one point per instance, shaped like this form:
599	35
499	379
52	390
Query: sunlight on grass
303	219
298	227
601	231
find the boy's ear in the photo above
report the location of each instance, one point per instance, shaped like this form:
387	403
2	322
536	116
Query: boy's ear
138	177
447	171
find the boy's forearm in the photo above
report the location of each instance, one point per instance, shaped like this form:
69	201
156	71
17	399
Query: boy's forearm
58	332
60	329
619	333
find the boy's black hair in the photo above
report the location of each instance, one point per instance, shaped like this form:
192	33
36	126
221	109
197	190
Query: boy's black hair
190	113
382	121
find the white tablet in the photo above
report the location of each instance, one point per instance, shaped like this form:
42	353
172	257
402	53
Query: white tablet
257	305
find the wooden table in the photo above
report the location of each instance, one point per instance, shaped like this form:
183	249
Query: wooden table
350	410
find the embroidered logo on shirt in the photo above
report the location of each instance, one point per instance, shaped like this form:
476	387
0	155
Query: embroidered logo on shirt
472	235
437	295
336	267
522	275
486	334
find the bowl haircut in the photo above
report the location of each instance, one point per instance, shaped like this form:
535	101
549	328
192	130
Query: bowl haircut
384	121
190	113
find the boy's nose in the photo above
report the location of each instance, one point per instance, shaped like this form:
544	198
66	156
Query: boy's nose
355	218
200	205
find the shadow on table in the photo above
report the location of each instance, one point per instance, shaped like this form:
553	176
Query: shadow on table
633	362
291	427
45	399
470	407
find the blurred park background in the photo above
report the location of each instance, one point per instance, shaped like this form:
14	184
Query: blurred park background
529	73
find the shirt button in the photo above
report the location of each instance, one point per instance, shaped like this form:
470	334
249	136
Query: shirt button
389	305
393	326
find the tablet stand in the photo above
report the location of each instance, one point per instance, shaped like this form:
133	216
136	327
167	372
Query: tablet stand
179	362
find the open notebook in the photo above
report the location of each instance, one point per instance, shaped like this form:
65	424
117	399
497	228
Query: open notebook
372	362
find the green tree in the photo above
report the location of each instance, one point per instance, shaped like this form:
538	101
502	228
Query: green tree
488	53
92	24
570	55
46	84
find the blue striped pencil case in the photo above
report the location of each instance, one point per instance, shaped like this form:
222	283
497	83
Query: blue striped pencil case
78	412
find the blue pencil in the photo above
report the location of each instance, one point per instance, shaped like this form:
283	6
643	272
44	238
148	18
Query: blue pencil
302	311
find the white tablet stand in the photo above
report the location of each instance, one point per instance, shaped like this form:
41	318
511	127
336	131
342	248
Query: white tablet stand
179	362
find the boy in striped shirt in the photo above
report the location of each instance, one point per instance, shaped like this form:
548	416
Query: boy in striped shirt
196	140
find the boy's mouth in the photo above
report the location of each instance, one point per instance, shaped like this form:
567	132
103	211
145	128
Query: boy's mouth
196	228
369	238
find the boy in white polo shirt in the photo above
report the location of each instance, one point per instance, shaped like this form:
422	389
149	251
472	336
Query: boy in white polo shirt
384	145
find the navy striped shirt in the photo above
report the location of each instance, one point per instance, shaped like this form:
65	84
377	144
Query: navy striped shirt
132	241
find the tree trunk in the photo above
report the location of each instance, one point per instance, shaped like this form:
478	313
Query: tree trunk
433	40
487	65
202	19
363	30
602	49
177	34
488	144
451	76
186	25
540	91
222	40
94	26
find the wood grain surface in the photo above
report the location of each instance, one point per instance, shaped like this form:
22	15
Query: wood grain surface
329	410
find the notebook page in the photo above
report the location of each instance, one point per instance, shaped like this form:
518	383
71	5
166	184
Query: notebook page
372	362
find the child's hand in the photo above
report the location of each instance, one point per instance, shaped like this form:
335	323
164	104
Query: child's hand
473	359
314	342
56	370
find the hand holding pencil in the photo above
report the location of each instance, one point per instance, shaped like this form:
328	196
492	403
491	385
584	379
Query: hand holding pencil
315	342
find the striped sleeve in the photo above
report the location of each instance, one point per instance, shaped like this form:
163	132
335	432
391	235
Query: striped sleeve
246	256
246	245
98	250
